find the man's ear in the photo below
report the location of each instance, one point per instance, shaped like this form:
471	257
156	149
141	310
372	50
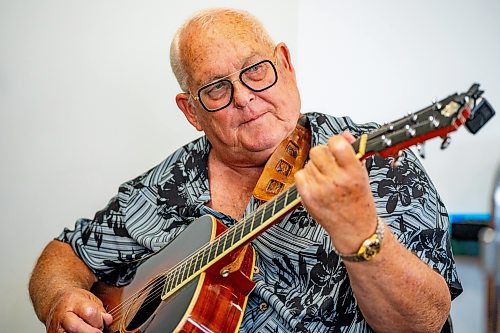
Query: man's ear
284	57
183	104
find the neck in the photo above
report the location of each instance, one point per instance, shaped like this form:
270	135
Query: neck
240	170
231	185
240	160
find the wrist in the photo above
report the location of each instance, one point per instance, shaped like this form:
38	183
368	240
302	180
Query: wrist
368	248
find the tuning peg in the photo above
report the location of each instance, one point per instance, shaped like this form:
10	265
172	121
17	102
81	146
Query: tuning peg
446	142
436	104
396	159
434	122
386	141
389	126
410	130
421	149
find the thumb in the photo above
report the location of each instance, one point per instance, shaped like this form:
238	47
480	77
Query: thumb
107	318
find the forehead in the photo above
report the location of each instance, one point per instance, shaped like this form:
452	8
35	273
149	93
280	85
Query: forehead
216	52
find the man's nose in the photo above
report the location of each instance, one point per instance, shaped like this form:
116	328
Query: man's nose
242	95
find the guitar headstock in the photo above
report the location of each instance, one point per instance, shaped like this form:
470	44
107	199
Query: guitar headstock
436	120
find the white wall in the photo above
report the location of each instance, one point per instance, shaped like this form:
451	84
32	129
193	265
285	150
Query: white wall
378	60
86	102
86	99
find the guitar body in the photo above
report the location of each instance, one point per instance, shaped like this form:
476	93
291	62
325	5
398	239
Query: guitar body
210	302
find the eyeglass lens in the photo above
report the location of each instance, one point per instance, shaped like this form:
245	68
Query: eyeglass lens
219	94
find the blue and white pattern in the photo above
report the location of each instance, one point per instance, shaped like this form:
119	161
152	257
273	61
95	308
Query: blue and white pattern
301	286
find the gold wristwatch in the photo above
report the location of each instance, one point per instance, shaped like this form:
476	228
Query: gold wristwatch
369	248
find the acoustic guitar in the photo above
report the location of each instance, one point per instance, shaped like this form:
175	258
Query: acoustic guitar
201	281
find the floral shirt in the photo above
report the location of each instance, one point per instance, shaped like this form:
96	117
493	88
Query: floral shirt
301	285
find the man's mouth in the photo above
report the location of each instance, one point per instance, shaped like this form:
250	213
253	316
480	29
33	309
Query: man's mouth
254	118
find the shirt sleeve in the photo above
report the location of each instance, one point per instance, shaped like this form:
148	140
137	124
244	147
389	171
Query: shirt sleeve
104	243
407	199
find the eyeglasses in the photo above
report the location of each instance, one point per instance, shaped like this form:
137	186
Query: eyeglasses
217	95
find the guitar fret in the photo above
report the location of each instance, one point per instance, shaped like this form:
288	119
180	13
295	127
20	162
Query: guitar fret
267	215
168	281
184	270
274	206
242	228
176	280
213	252
253	221
281	200
199	261
225	241
233	230
217	253
191	265
210	247
206	255
246	228
262	215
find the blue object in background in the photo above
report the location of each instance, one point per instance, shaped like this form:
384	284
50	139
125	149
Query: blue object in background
465	229
469	217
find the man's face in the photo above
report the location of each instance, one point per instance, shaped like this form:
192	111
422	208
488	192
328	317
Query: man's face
254	122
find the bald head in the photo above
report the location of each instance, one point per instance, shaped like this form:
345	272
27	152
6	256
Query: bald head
204	29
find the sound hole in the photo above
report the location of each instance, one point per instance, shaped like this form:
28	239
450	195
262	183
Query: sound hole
151	299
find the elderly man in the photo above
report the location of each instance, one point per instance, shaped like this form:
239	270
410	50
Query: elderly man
318	270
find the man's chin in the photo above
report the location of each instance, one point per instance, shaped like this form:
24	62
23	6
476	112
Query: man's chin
262	145
264	137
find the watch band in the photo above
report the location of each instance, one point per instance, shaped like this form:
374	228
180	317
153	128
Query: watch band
369	248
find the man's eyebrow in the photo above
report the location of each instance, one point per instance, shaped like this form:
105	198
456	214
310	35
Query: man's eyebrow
248	61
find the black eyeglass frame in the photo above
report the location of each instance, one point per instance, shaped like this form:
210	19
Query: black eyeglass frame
224	79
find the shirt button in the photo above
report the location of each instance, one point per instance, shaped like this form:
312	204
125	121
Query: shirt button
263	306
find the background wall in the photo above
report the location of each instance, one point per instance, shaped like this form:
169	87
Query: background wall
86	99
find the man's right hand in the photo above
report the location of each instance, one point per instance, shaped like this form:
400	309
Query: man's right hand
76	310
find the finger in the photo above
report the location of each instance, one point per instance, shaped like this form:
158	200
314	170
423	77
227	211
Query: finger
91	314
342	151
322	159
107	320
348	136
305	178
303	184
312	173
71	323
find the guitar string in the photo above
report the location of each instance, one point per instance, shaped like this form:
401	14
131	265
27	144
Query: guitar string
157	290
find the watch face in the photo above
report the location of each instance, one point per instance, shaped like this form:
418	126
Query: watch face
370	248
